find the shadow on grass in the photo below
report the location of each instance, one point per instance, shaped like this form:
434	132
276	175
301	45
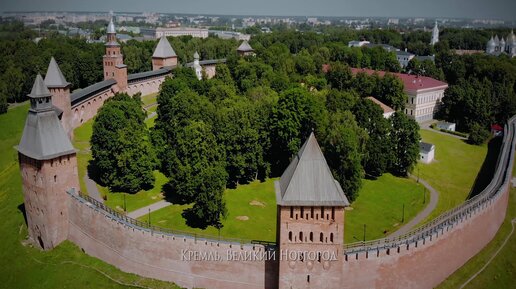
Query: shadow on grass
93	173
193	221
172	196
488	167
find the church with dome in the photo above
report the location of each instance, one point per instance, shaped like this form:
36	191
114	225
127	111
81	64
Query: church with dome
497	46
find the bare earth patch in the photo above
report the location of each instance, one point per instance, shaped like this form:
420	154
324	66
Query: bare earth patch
348	208
242	218
257	203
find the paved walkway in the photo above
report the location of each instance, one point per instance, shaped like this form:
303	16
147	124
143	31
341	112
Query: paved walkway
426	126
93	191
145	210
432	203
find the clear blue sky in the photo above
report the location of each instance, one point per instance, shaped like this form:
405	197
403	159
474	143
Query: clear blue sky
499	9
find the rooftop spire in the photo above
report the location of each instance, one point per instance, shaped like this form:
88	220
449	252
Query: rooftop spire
308	180
39	90
54	77
111	26
43	137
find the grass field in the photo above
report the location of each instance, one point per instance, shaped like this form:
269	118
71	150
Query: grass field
149	99
22	266
150	121
501	272
454	170
135	201
256	201
380	207
81	142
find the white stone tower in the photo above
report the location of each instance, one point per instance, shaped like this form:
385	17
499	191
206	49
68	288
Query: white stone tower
435	34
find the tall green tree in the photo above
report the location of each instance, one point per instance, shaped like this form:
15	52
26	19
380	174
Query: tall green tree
378	149
405	144
122	154
342	152
292	119
390	91
198	172
237	131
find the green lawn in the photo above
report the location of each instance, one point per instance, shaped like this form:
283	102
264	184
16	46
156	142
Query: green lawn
22	266
135	201
152	109
454	170
150	121
81	142
501	272
149	99
11	125
256	201
380	206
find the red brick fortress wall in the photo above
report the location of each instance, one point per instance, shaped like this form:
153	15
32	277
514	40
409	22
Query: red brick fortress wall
162	256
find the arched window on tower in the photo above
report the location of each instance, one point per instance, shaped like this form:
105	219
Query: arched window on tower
311	236
290	236
322	213
333	213
300	236
321	237
331	237
291	212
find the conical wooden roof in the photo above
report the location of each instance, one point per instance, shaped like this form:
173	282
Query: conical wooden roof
54	76
308	180
164	49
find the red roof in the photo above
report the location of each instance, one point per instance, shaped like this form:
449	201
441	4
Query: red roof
386	108
411	82
496	127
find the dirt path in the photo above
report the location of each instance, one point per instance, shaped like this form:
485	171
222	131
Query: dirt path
432	203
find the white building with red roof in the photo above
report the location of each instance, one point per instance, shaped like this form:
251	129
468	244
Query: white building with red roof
424	93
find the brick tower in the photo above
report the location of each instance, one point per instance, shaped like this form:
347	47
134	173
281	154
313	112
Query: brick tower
60	90
114	67
310	222
48	167
164	55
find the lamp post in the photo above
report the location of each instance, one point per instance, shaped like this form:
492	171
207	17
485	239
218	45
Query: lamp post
424	195
149	217
364	231
125	205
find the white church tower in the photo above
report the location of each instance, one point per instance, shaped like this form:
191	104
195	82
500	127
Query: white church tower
435	34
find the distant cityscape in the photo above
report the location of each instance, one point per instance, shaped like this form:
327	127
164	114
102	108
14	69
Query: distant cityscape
148	24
